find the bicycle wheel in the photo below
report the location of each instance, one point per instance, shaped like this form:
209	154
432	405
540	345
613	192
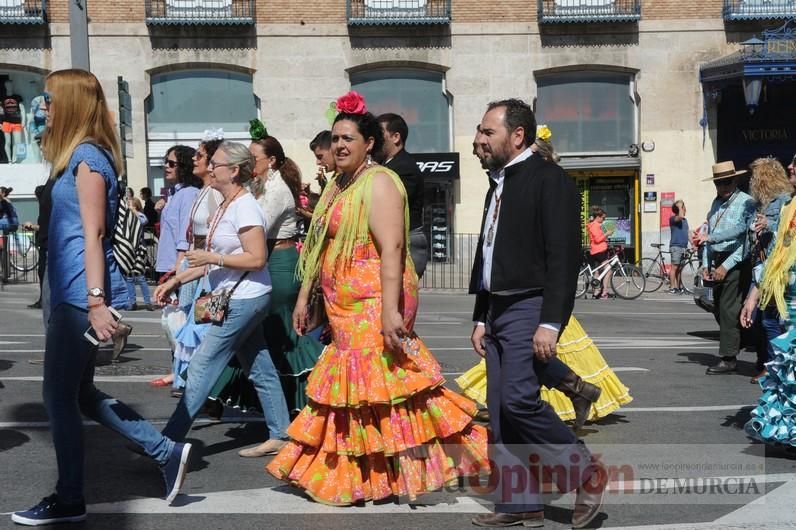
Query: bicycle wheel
22	252
628	281
689	274
583	282
653	274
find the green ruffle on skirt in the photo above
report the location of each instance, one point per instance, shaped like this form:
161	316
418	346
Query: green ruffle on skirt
293	356
234	389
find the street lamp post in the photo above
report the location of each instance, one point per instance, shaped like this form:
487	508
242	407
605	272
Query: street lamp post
752	86
78	34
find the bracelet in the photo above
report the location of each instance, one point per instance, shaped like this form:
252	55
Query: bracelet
221	260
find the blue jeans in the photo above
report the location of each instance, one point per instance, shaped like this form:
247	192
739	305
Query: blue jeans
69	390
139	279
769	328
241	334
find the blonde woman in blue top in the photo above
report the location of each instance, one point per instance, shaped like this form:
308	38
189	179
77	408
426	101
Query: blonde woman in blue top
81	146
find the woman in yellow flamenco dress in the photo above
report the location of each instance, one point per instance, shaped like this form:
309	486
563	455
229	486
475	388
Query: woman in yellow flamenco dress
577	350
379	421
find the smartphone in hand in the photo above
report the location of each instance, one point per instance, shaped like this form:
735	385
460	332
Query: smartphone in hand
91	336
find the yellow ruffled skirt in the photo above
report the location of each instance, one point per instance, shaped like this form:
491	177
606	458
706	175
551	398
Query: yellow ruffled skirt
578	351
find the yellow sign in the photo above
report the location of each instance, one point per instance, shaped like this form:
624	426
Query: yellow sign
781	46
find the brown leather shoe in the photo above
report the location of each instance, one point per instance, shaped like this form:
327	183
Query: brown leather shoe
269	447
590	497
501	520
582	394
120	340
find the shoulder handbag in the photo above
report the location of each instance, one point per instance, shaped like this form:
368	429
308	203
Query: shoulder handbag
212	307
316	312
127	230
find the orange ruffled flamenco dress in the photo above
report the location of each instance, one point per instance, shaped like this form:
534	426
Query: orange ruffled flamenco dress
377	423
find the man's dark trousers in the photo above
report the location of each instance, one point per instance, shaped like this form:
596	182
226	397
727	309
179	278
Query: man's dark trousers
518	415
728	296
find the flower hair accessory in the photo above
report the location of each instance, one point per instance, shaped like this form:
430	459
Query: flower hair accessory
331	113
351	103
213	134
257	130
543	132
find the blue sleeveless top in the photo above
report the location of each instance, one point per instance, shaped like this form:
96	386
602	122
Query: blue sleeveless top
66	246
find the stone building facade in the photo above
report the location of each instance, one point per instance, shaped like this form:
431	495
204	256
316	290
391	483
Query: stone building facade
618	81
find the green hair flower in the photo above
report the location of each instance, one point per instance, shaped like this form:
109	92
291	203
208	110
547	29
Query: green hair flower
331	112
257	130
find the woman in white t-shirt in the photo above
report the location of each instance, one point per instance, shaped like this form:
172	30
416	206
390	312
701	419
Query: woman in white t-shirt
235	259
276	186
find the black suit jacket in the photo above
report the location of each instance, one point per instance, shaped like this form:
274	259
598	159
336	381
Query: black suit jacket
537	244
405	166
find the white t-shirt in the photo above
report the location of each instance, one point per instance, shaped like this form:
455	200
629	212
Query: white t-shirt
242	212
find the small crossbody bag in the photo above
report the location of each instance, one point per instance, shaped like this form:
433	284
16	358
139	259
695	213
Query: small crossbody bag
212	307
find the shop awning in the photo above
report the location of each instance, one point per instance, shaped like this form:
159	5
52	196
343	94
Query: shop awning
739	65
600	162
773	57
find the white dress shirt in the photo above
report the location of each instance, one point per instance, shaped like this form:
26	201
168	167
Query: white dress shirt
490	224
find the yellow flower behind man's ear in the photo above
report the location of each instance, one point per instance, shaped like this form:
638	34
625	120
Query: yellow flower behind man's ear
543	132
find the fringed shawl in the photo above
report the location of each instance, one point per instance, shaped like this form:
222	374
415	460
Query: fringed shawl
779	263
354	228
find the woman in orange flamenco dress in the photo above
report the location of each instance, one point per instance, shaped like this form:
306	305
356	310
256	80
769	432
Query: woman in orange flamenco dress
379	421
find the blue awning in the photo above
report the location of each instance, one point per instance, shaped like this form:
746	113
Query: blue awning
773	57
738	65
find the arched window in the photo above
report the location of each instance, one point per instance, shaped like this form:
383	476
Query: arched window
588	112
417	95
189	101
185	103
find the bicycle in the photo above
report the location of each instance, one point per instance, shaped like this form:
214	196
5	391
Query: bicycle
20	252
656	270
627	281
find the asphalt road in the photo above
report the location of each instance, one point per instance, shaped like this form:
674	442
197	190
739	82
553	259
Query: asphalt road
682	427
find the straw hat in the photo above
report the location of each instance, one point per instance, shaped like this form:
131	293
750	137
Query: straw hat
724	170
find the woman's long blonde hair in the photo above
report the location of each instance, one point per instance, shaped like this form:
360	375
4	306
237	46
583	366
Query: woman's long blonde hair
80	113
769	179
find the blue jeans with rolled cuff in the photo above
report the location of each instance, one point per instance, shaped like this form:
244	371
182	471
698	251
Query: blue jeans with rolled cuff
69	390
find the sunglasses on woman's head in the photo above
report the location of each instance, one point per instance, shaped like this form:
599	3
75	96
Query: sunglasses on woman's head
170	163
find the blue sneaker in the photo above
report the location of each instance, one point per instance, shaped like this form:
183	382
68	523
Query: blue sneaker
51	511
174	470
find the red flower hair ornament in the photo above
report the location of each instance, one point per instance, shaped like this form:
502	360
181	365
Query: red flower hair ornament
351	103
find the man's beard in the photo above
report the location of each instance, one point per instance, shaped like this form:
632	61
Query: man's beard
498	160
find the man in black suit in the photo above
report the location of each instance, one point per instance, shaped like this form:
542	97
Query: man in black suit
396	158
524	279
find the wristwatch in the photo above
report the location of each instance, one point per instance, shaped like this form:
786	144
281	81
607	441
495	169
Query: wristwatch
96	292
